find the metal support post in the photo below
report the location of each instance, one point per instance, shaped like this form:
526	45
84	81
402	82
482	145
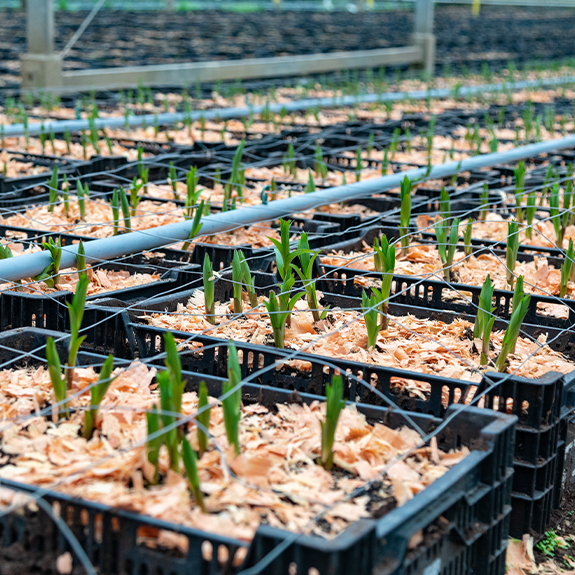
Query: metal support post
423	34
40	66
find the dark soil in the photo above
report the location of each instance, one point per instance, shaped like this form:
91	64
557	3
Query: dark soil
136	38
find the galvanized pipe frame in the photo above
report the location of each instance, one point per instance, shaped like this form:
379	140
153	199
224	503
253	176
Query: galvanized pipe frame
29	265
59	126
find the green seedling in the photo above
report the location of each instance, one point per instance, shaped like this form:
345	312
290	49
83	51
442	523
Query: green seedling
81	260
51	273
407	140
512	251
447	246
237	277
5	252
82	192
444	204
68	140
173	178
370	143
305	273
174	369
203	418
192	193
558	218
209	301
248	280
237	176
232	404
386	256
109	144
394	144
290	161
115	205
53	189
42	137
58	382
190	464
168	417
310	186
333	405
385	163
126	214
405	213
550	543
567	269
520	308
97	393
319	166
485	319
76	314
52	137
519	190
196	226
282	248
370	310
467	237
530	213
134	195
66	196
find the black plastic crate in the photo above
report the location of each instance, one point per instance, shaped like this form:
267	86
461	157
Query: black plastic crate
462	514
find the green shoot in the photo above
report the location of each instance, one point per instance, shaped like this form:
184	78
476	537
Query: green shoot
512	251
134	197
55	371
237	277
196	226
512	332
203	418
97	393
208	278
192	194
333	405
519	190
447	246
66	196
559	220
467	237
42	137
76	314
68	139
369	307
386	256
189	457
358	165
567	269
485	319
81	259
319	166
232	404
377	263
169	417
248	280
5	252
174	367
530	213
305	273
284	255
385	163
310	186
125	210
484	199
81	192
444	204
51	273
115	205
405	213
237	177
53	189
173	179
370	143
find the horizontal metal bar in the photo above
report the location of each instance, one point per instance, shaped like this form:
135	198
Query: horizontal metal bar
59	126
188	73
29	265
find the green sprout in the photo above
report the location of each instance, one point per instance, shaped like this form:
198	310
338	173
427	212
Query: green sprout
385	163
310	186
444	204
5	252
333	405
173	177
203	418
208	279
248	280
237	277
447	246
81	259
485	319
520	309
190	464
279	309
290	162
512	251
192	194
76	314
82	192
115	205
519	190
394	144
169	417
484	199
405	213
567	269
153	445
97	393
196	226
51	274
358	165
369	307
319	166
53	189
68	139
305	273
559	219
549	544
66	196
237	176
134	197
232	404
370	143
282	248
530	213
467	237
42	137
58	382
386	256
126	214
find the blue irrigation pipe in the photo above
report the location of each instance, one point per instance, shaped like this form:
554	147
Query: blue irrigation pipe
29	265
59	126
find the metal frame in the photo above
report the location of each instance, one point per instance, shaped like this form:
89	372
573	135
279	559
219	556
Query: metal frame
42	67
